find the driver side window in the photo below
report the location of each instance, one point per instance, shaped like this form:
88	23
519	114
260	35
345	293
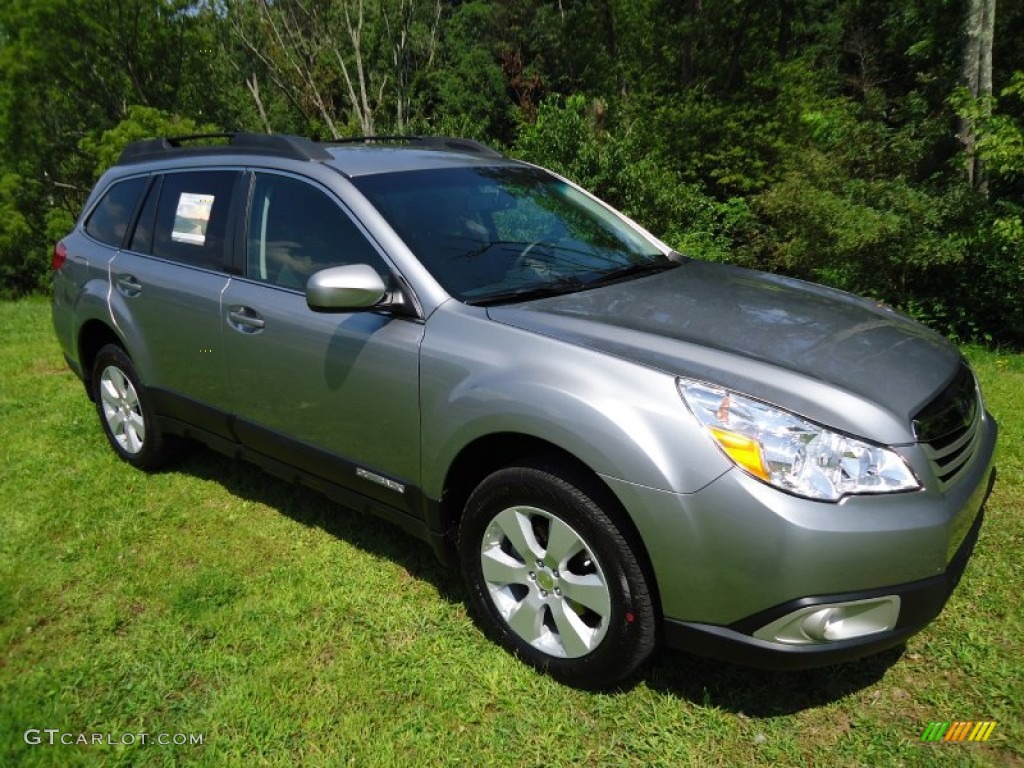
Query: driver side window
295	229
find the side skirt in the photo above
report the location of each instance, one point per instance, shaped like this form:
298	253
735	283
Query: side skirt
336	491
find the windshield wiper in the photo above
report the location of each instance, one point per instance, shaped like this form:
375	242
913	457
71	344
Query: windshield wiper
556	288
571	284
630	271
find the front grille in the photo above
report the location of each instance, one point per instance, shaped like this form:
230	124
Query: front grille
949	427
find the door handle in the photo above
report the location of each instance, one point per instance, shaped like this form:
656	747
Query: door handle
245	319
128	284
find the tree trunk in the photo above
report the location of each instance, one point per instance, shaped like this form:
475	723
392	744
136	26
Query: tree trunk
976	76
785	33
739	44
687	73
254	90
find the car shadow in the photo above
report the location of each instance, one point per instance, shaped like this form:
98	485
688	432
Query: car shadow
744	691
758	693
314	510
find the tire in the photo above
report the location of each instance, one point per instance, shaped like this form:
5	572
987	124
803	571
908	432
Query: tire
552	579
126	413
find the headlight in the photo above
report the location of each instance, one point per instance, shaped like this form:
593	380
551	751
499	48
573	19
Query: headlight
791	453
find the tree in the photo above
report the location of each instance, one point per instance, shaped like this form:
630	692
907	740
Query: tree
340	63
70	69
976	77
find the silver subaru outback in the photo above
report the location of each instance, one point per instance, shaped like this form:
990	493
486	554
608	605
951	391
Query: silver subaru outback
617	445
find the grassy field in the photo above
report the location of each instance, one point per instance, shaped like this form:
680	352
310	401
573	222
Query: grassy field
215	600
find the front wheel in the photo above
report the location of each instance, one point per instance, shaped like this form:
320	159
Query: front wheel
125	412
552	578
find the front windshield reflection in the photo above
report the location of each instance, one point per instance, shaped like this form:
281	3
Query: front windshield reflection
508	233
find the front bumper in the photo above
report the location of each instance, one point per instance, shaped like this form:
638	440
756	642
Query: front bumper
920	602
738	555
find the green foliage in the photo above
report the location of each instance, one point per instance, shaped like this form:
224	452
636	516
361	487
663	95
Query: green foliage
993	240
993	286
21	267
100	151
568	137
816	138
865	235
69	71
466	95
1000	141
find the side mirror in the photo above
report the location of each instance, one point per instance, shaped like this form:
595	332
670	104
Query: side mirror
343	289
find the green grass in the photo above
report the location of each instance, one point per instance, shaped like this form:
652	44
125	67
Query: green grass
214	599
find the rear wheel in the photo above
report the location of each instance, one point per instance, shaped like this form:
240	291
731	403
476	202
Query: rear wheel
552	578
126	413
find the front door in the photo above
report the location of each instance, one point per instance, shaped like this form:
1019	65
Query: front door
337	394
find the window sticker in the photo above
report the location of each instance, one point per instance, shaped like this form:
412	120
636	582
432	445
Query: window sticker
192	218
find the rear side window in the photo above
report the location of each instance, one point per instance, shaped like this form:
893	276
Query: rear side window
142	237
109	220
295	230
191	217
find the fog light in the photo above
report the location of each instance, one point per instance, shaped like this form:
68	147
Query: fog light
833	621
816	625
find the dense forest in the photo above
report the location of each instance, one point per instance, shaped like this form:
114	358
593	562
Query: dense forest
875	146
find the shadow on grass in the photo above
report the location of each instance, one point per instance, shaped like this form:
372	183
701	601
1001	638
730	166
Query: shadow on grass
311	508
733	688
762	693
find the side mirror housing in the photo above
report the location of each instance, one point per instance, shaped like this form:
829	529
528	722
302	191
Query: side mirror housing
345	289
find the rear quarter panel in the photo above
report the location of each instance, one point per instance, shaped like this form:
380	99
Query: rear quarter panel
81	291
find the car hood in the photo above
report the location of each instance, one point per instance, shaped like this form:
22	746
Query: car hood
836	358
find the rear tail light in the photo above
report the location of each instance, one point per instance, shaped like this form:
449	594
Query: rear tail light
60	253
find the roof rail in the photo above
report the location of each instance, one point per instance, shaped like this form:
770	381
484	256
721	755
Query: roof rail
278	144
427	142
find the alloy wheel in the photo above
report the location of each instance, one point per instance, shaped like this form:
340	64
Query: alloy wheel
545	582
122	410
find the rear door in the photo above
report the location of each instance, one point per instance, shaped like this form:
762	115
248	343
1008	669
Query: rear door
337	394
166	288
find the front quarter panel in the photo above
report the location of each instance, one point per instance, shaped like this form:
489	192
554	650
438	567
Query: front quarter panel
623	420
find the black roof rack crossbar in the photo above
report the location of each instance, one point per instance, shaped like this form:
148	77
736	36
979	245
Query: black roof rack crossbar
284	145
427	142
277	144
295	147
177	141
397	138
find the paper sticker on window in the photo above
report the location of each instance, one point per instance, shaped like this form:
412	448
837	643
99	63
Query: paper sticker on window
192	218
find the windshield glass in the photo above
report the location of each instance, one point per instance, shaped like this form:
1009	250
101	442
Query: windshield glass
498	234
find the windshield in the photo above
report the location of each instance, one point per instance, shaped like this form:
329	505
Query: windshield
491	235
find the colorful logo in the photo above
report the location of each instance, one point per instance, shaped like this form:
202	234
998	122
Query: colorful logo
959	731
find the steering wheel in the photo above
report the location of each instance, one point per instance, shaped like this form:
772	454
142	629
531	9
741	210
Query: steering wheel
522	261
